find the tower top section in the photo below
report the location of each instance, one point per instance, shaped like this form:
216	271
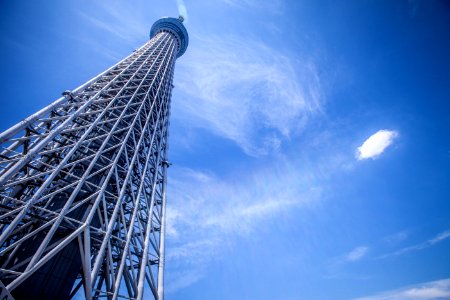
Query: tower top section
174	26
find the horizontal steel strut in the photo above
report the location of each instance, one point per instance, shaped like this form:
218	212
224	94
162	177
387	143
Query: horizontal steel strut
82	184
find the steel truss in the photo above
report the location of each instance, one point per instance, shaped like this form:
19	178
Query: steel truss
82	185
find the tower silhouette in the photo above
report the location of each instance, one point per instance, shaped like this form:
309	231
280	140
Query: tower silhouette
82	182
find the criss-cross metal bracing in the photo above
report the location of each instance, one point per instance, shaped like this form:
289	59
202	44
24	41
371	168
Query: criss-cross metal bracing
82	185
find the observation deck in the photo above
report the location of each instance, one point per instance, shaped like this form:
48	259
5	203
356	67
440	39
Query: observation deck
174	26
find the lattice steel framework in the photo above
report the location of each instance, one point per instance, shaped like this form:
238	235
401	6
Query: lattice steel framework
82	183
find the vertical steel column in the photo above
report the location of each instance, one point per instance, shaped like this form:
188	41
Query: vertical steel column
83	182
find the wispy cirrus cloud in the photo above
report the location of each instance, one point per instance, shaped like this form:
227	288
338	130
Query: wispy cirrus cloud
376	144
247	92
421	246
220	205
360	252
436	290
105	25
396	238
109	27
274	6
207	211
356	254
337	266
123	21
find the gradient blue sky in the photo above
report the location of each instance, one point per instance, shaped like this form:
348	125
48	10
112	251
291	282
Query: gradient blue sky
269	196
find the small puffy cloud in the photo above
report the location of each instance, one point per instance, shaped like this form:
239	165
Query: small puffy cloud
376	144
357	253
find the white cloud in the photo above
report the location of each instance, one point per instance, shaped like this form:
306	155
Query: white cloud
274	6
126	22
376	144
217	205
440	237
439	289
182	279
246	92
206	212
357	253
112	26
428	243
396	237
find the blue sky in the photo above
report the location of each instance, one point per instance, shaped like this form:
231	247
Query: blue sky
309	139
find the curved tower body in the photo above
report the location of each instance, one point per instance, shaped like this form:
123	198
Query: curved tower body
82	183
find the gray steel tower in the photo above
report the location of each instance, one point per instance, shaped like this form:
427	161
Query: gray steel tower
82	182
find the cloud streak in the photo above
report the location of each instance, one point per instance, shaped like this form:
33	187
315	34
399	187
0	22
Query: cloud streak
439	289
247	92
376	144
396	238
428	243
207	212
122	21
274	6
356	254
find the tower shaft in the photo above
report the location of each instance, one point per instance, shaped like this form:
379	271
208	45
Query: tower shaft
82	183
